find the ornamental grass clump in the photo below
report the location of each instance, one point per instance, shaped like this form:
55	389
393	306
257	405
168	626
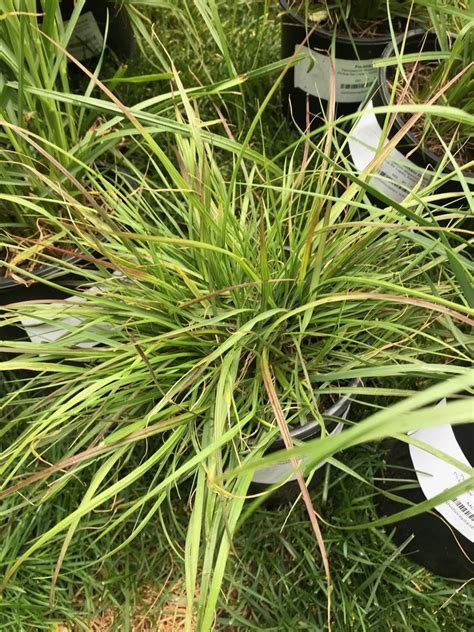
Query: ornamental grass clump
244	293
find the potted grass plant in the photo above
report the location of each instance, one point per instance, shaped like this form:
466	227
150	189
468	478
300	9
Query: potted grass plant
50	137
46	141
341	39
253	303
432	146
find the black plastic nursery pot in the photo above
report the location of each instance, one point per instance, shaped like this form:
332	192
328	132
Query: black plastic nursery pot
410	164
306	86
30	329
50	283
283	472
12	291
443	539
88	37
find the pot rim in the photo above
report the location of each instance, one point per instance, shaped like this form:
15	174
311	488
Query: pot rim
312	429
343	39
44	272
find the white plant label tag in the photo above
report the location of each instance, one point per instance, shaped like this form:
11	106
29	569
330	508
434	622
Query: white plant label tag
397	175
284	472
40	332
86	40
436	475
353	77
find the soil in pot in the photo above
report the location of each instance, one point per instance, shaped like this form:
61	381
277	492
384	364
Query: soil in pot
443	539
421	77
307	85
413	163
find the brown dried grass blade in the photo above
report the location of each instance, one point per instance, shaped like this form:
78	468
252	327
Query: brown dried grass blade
285	433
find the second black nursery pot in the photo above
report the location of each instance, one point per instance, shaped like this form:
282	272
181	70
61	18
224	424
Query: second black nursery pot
306	87
91	29
442	540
